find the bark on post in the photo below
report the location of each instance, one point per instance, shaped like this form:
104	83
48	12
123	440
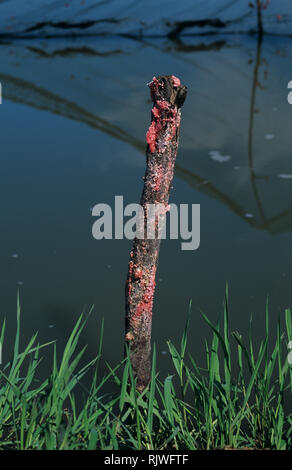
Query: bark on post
168	97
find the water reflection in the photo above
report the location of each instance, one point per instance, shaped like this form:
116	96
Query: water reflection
237	97
106	109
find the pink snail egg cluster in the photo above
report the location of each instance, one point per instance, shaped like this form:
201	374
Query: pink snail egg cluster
157	110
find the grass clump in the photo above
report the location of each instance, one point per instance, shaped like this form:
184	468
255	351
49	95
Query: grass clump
234	402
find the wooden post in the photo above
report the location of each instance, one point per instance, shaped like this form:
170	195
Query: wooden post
168	97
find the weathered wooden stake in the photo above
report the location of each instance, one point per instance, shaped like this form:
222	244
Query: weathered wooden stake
168	97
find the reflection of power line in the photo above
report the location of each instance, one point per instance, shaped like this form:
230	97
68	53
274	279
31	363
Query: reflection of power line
28	93
25	92
269	223
208	188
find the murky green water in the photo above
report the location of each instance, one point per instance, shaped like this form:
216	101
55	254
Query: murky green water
73	123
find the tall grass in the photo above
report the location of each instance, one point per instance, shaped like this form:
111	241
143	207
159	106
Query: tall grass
231	402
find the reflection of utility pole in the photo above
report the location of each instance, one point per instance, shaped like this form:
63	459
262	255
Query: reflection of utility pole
260	19
255	83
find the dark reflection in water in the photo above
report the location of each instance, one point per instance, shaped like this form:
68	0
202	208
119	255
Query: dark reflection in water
73	51
73	123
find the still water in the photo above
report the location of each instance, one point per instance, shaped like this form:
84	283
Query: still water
73	122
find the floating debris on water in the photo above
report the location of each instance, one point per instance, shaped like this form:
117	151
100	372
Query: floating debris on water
217	157
14	255
269	136
51	326
286	176
19	283
248	215
236	168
